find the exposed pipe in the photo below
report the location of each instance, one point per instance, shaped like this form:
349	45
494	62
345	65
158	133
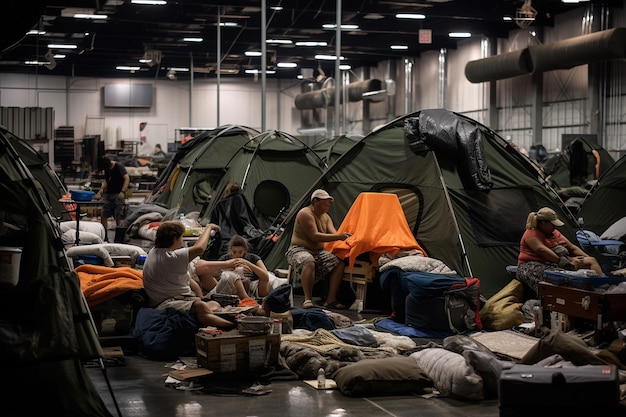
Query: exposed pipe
408	85
337	64
443	78
325	97
219	62
263	62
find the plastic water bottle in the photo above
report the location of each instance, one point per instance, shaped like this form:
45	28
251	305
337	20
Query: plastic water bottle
321	378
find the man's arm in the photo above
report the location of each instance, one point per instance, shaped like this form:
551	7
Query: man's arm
307	221
200	246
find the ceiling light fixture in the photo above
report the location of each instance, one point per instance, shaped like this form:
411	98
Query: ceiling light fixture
36	32
229	24
344	67
280	41
323	57
415	16
276	8
61	46
399	47
332	26
311	43
90	16
253	53
127	68
193	39
286	65
460	34
256	71
149	2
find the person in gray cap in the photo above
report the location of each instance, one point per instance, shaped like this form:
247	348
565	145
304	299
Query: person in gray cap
543	247
306	255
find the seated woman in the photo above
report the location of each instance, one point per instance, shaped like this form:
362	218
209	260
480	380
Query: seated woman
248	278
543	247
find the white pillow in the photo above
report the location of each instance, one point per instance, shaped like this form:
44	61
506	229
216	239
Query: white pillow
450	373
418	263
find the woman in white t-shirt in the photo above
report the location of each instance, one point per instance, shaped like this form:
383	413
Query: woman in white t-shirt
166	278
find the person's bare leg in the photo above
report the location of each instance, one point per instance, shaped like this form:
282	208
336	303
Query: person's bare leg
207	282
336	276
307	277
590	262
205	316
241	289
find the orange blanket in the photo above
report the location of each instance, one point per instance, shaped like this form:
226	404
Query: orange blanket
101	283
378	225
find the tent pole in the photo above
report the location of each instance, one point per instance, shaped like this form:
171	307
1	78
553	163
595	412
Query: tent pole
456	224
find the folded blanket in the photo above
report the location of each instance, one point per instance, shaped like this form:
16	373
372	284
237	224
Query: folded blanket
101	283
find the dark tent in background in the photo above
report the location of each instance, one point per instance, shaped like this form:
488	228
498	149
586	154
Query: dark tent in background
50	182
273	170
331	149
464	190
45	327
191	175
576	164
606	201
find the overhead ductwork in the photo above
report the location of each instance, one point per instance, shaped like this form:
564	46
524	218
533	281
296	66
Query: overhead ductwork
511	64
565	54
581	50
326	96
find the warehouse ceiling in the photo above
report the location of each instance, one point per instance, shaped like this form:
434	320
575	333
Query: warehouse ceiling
148	41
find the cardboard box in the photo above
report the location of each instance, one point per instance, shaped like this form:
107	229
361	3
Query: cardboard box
232	351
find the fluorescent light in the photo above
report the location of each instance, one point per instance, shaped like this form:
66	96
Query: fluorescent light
127	68
90	16
280	41
253	53
417	16
399	47
328	57
332	26
36	32
311	43
344	67
61	46
286	65
277	8
460	34
193	39
149	2
37	62
256	71
229	24
300	76
179	69
58	56
507	18
145	61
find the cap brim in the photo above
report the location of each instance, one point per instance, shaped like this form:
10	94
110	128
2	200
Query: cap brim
557	222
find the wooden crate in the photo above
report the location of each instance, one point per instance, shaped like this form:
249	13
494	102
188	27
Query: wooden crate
359	275
583	304
232	351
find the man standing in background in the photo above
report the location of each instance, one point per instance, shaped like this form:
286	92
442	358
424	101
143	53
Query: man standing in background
114	187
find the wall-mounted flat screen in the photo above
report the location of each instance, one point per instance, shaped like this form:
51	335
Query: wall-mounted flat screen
127	95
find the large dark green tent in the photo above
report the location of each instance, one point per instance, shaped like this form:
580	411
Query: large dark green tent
273	170
604	204
332	148
45	327
465	191
192	174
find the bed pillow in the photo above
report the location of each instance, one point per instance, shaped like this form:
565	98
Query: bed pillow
417	263
450	373
397	375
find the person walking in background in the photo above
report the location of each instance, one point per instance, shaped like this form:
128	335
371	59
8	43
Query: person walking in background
114	188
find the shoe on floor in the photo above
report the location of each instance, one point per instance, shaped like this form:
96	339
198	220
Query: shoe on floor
308	304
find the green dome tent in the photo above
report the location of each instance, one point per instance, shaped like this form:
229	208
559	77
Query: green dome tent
46	331
466	202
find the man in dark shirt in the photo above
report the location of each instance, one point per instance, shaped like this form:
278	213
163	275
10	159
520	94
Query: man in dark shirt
114	187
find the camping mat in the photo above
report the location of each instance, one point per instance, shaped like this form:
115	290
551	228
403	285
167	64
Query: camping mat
506	342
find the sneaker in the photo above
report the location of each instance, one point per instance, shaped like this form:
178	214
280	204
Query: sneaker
308	304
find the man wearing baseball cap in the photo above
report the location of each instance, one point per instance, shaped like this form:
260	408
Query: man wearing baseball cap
543	247
306	255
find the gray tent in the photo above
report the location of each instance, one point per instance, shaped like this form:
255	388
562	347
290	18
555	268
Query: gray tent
191	175
464	190
604	205
45	330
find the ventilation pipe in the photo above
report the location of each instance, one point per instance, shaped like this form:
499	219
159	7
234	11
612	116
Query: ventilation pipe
497	67
326	96
565	54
